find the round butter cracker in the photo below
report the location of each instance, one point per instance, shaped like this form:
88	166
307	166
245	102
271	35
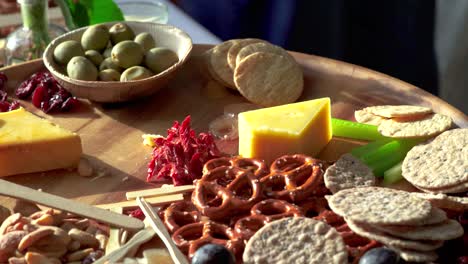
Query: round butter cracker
348	172
234	50
268	79
430	125
390	111
219	62
261	47
296	240
377	205
440	163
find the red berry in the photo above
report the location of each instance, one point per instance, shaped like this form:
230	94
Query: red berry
40	95
70	103
4	106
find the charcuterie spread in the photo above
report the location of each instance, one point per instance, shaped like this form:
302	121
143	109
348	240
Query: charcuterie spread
274	199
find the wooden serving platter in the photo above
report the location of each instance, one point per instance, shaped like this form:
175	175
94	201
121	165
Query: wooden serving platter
111	133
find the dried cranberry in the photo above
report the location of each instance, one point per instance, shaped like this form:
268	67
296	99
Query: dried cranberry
3	80
4	106
45	106
55	103
40	95
70	103
14	105
26	88
137	213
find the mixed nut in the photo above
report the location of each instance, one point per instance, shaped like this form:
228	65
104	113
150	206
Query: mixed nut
114	54
31	235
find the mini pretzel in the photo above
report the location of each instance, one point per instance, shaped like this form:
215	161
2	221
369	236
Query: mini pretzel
225	191
294	178
180	214
262	213
257	167
313	206
193	236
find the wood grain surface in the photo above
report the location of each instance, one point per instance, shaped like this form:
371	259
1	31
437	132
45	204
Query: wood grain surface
111	133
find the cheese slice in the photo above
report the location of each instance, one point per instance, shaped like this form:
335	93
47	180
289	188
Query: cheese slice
298	128
29	143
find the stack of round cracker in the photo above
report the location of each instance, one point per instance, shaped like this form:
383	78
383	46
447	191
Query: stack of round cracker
440	166
404	121
263	73
409	225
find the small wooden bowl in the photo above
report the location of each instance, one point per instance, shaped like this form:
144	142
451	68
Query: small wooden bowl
99	91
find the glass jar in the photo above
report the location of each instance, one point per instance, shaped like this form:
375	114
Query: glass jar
29	41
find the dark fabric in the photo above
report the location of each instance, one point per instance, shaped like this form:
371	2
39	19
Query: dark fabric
394	37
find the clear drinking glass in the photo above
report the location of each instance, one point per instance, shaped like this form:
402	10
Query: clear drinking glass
144	10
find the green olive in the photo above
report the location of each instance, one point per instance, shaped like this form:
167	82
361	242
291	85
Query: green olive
80	68
67	50
95	38
135	73
127	54
159	59
145	40
109	75
120	32
94	56
108	63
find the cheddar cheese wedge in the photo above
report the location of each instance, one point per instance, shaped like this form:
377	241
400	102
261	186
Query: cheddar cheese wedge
298	128
29	143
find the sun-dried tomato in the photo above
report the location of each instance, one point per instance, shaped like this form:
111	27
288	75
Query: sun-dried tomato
181	155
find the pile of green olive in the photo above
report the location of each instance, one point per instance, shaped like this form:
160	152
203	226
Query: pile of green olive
113	54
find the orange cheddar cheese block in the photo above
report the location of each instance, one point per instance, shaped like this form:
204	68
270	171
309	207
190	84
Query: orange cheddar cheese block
29	143
298	128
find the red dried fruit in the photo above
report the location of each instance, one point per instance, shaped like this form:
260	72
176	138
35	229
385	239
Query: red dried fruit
4	106
70	103
181	154
47	93
26	88
137	213
14	105
40	95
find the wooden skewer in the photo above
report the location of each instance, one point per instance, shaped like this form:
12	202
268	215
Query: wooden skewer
160	191
53	201
161	231
158	200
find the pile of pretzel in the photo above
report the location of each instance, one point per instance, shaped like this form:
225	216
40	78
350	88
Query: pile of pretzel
237	196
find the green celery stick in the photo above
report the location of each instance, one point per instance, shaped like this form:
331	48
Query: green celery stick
388	155
354	130
393	174
369	147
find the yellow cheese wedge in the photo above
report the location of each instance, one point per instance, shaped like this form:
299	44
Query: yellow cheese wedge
31	144
298	128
